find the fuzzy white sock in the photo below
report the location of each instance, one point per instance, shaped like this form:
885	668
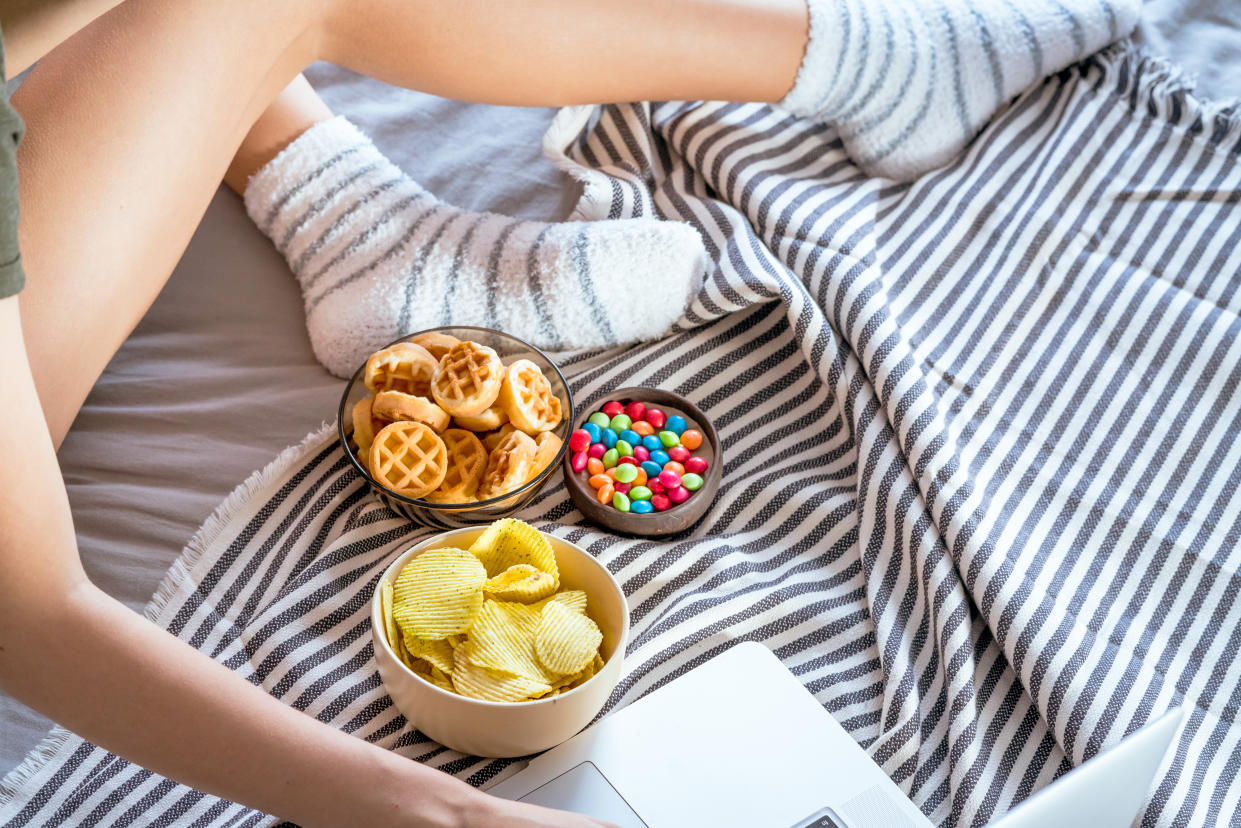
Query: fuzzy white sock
378	257
908	83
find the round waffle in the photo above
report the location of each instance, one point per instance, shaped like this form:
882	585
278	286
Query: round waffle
489	420
527	398
467	460
403	367
468	379
363	425
397	405
490	441
437	344
508	466
547	445
409	458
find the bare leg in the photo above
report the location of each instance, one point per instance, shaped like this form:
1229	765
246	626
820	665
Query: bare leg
296	109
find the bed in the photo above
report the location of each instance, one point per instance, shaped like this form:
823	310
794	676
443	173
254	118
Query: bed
219	376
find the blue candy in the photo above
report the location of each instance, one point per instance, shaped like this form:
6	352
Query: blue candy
660	457
676	425
652	469
608	437
631	437
652	443
596	433
641	507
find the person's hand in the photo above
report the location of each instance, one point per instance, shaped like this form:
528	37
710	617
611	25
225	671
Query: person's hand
494	811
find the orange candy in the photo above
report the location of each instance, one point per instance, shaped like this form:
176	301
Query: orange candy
673	465
691	438
640	480
611	472
605	492
599	480
595	466
646	429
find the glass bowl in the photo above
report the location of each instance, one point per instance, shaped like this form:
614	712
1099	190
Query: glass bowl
454	515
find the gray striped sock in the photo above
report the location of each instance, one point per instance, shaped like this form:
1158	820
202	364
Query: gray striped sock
908	83
378	257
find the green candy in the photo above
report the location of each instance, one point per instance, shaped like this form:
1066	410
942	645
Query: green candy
626	473
621	502
611	458
620	422
691	481
639	492
624	449
669	439
600	419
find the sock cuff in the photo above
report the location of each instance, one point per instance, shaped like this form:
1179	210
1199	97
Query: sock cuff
316	156
823	44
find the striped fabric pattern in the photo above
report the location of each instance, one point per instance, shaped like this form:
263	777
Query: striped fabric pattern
981	493
369	245
908	83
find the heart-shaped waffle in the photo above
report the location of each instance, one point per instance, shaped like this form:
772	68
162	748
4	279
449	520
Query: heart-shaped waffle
467	460
409	458
508	466
403	367
468	379
437	344
527	398
397	405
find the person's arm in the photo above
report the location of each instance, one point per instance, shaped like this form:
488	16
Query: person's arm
85	660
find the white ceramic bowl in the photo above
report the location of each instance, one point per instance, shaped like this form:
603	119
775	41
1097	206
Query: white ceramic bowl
497	729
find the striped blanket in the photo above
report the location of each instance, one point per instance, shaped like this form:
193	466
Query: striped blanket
981	494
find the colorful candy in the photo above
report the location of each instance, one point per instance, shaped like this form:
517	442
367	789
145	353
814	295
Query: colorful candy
639	459
579	441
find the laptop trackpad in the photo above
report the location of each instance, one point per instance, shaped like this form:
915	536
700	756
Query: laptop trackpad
584	790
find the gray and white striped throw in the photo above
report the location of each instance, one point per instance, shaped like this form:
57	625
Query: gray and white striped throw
981	494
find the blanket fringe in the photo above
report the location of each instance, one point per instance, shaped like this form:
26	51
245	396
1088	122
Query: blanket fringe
1158	88
177	575
225	514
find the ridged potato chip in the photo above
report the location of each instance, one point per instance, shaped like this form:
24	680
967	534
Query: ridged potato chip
436	653
521	583
478	682
391	631
567	683
566	642
574	599
438	593
502	638
509	542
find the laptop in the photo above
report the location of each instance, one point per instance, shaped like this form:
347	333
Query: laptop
738	742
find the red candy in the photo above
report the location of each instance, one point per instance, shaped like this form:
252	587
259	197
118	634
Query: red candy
696	465
597	450
661	503
677	453
579	461
579	441
678	495
641	454
630	460
656	417
612	408
624	488
670	479
635	410
655	486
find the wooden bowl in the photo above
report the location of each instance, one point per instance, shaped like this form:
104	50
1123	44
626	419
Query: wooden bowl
680	517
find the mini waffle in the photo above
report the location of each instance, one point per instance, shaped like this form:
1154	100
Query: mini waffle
396	405
467	460
403	367
508	466
409	458
527	398
468	379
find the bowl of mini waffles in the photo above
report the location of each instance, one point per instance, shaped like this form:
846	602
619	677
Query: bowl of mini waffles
456	426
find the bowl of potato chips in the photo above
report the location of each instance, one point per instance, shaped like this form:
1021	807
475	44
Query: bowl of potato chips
499	641
456	426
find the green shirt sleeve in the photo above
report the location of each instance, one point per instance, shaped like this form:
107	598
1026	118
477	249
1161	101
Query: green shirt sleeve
11	128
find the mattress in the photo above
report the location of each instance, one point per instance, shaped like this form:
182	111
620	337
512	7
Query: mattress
219	376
